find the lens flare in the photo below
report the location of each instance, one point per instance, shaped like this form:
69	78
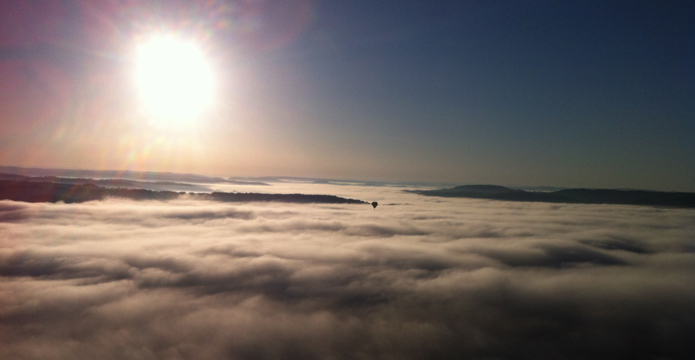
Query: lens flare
174	79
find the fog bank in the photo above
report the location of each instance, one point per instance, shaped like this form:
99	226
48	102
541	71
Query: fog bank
416	278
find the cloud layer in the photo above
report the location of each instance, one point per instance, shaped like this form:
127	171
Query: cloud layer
417	278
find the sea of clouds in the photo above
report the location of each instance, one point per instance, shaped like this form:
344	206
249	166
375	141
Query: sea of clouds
415	278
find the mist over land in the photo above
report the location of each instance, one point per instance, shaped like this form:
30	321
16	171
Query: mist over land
52	188
572	196
418	277
134	179
43	191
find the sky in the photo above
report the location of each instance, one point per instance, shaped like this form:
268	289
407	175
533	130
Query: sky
416	278
572	93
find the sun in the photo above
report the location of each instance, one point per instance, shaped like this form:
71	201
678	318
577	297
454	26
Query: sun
174	79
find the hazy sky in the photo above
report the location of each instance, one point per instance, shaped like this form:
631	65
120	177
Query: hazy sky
566	93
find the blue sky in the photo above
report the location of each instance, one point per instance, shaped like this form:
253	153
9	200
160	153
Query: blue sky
530	90
573	93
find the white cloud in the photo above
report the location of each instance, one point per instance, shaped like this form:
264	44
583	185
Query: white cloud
423	278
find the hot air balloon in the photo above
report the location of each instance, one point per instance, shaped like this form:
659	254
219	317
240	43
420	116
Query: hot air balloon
374	204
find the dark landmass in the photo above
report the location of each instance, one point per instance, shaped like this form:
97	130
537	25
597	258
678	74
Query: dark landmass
111	174
44	191
293	198
538	188
111	183
36	191
241	182
571	196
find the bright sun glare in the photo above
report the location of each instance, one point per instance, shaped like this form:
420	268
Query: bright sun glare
174	79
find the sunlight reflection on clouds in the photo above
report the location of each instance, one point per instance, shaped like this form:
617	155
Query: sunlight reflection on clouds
449	278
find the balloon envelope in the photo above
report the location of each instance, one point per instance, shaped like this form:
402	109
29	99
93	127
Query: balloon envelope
374	204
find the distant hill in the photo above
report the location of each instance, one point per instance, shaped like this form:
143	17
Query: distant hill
241	182
539	188
121	175
572	196
37	191
111	183
293	198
